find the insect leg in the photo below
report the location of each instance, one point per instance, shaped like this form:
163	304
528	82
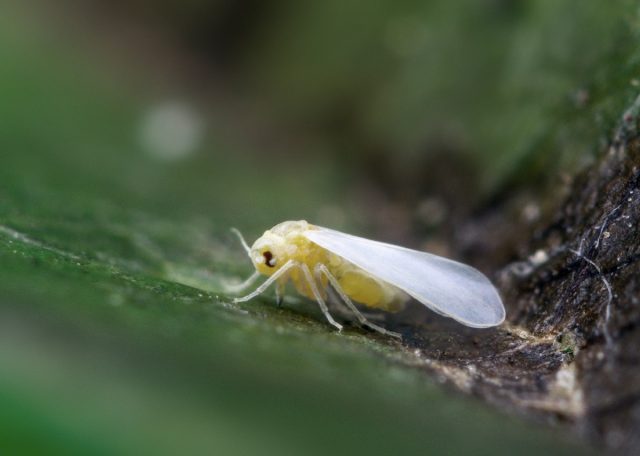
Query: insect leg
229	288
276	275
322	269
242	241
318	296
279	292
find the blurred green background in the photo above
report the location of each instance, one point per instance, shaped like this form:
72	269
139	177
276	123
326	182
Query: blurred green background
133	134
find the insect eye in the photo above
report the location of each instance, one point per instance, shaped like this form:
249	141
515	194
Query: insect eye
269	260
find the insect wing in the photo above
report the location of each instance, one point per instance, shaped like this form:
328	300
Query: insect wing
447	287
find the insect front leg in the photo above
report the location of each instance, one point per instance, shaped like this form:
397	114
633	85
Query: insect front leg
321	269
280	291
318	296
229	288
279	273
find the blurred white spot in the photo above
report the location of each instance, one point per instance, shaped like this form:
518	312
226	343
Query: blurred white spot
539	257
171	131
531	212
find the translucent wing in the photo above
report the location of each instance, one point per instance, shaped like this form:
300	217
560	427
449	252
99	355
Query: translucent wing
446	287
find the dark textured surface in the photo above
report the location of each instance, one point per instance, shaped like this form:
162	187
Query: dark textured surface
590	290
569	350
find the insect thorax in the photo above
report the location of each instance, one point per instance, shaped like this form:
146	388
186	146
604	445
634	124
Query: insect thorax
286	241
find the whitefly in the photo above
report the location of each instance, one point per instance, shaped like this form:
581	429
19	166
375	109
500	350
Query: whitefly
374	274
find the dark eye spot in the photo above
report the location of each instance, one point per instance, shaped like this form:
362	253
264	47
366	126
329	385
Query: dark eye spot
268	259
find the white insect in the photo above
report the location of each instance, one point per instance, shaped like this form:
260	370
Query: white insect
375	274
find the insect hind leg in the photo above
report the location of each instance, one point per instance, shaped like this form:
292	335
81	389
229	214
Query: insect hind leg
320	300
321	269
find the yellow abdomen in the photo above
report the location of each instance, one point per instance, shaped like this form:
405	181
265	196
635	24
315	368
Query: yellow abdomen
356	283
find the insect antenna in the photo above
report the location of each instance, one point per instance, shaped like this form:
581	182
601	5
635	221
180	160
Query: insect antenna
242	241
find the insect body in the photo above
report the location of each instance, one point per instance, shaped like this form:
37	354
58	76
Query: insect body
375	274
